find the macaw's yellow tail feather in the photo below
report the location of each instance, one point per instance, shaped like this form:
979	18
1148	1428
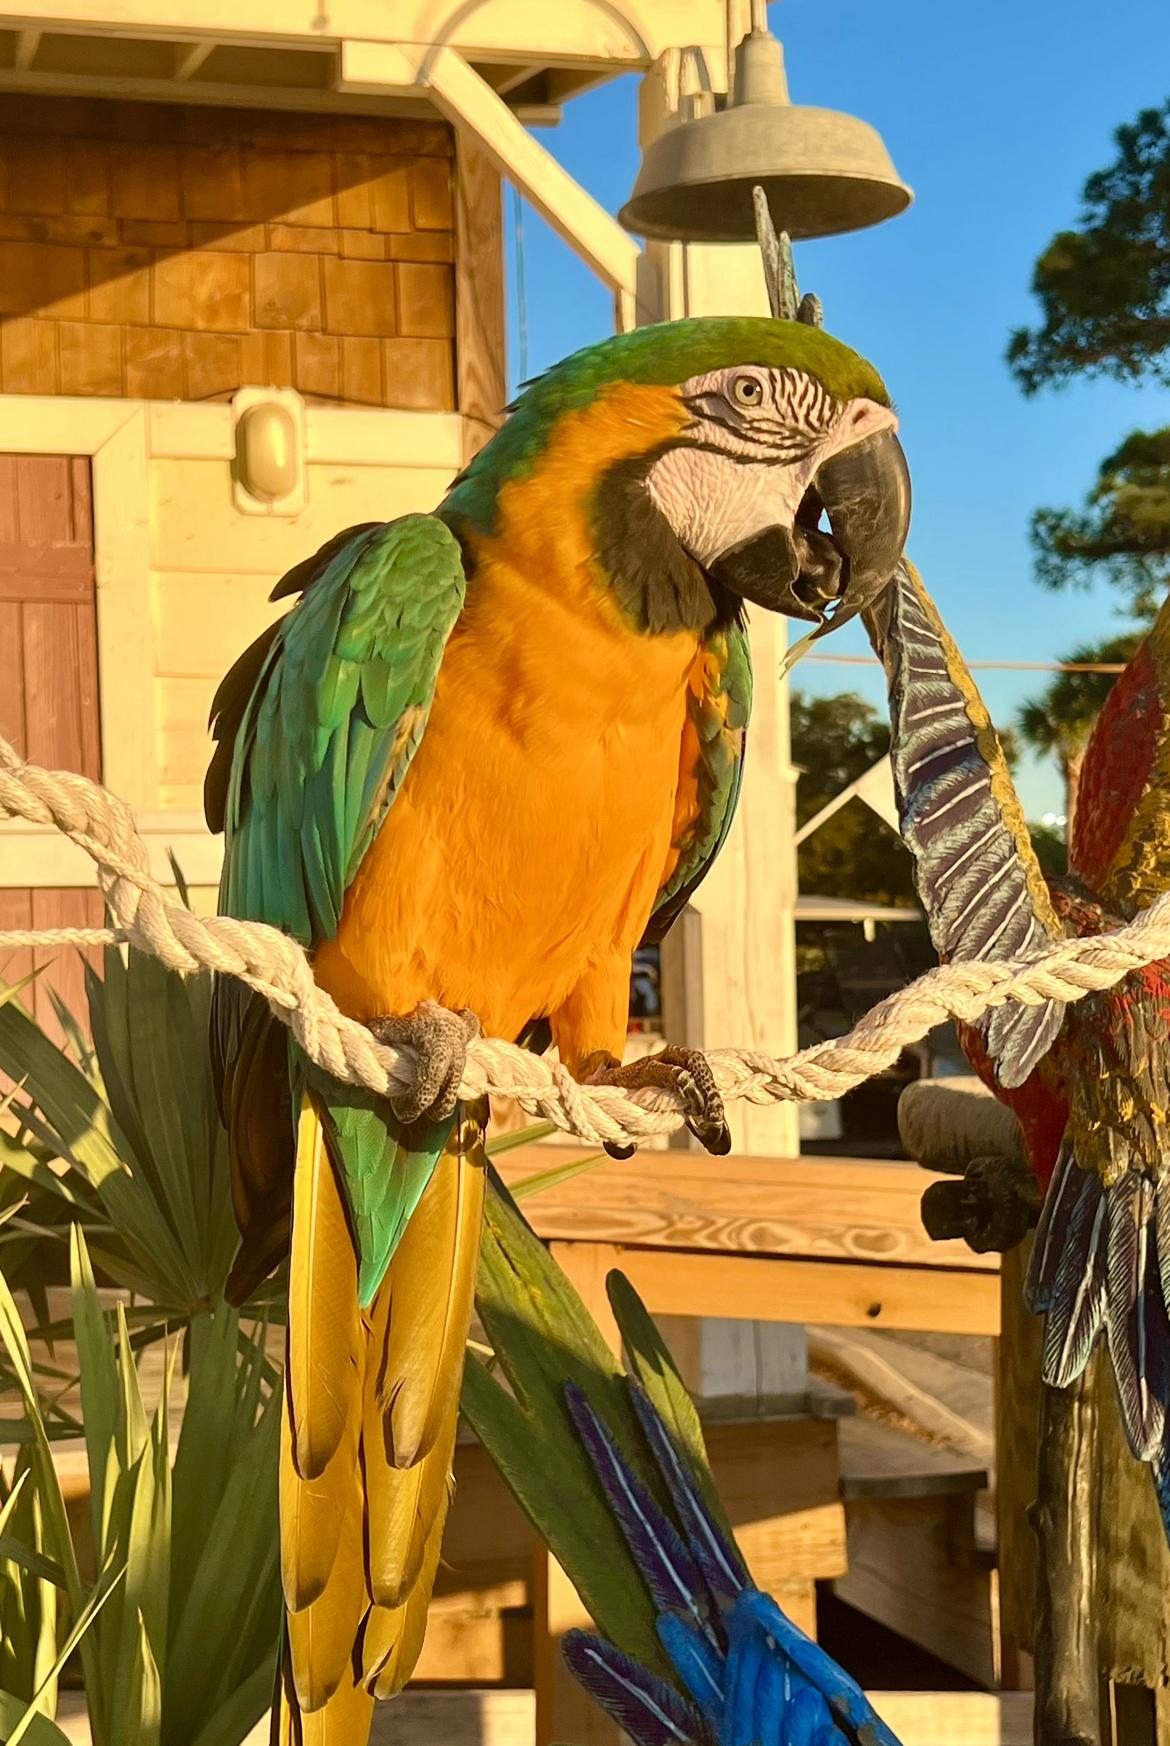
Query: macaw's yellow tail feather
370	1412
343	1721
428	1327
325	1344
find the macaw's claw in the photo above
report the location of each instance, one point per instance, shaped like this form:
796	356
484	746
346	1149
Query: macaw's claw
689	1072
438	1039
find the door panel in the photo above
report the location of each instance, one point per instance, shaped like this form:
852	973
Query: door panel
49	698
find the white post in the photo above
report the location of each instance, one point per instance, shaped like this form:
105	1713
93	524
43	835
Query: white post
744	989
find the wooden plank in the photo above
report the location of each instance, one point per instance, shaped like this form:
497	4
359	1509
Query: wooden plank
878	1461
470	104
835	1293
44	500
16	912
481	377
506	1718
862	1210
12	692
122	557
64	967
912	1567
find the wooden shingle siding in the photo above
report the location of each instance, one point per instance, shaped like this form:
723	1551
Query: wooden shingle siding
155	251
49	690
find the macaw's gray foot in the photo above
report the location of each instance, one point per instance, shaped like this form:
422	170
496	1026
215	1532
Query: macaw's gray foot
992	1207
438	1038
688	1072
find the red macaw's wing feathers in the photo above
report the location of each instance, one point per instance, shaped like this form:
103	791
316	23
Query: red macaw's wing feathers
1121	827
976	870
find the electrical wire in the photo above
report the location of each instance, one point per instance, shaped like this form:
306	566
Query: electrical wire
987	666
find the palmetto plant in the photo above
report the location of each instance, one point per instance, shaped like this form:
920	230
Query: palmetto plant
177	1636
112	1158
124	1139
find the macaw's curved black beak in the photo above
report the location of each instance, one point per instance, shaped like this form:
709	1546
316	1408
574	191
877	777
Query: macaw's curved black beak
828	575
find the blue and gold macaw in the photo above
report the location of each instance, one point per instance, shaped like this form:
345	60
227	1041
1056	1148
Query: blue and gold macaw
486	753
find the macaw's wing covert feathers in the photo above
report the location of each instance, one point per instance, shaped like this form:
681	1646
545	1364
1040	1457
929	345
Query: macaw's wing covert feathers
719	704
1120	844
976	871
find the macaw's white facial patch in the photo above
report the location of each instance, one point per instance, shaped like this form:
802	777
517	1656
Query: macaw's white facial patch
714	502
751	452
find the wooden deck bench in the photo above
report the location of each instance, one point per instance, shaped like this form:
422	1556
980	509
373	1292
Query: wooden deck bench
915	1563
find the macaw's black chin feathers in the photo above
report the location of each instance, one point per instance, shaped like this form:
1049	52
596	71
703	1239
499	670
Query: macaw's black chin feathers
828	575
659	585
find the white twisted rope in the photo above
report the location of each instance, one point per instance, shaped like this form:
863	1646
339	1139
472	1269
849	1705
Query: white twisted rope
276	967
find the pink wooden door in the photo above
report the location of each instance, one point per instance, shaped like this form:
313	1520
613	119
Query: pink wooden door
48	689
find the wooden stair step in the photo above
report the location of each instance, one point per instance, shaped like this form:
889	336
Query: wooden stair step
879	1461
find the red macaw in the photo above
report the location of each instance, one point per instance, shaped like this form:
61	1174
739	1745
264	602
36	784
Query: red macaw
1088	1081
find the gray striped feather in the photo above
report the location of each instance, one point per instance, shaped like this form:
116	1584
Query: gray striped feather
971	867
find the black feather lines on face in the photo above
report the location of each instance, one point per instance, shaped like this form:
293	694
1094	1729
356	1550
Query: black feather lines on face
659	586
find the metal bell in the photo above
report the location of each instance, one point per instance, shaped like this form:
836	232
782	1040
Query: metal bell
823	172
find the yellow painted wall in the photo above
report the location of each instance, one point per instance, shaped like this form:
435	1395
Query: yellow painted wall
212	570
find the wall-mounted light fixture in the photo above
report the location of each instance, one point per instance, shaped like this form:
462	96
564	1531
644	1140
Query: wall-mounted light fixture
268	468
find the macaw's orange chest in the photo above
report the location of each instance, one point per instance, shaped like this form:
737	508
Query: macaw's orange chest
521	858
532	833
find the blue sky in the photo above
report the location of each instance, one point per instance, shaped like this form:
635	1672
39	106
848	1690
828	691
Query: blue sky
995	115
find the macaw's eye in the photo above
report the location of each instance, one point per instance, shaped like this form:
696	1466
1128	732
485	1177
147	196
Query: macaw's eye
747	391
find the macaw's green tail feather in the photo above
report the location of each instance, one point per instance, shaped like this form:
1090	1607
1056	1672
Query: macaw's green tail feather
370	1413
543	1337
384	1168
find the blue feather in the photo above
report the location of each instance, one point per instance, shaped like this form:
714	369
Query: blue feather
718	1559
651	1712
697	1662
665	1565
844	1696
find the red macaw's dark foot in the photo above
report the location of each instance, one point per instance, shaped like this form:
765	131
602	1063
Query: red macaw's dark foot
686	1070
438	1038
992	1207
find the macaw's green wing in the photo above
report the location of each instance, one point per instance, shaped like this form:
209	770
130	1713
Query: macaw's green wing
718	706
337	711
977	873
1121	841
316	727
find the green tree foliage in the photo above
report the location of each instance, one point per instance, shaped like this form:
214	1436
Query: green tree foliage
1104	289
853	854
1122	533
1059	722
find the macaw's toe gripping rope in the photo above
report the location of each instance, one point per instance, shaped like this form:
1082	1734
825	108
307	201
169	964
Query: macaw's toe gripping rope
144	915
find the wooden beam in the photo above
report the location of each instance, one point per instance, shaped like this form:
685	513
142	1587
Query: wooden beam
836	1293
480	347
626	37
833	1209
573	213
27	44
189	57
505	1718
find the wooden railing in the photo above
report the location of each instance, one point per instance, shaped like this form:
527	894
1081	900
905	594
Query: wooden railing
830	1240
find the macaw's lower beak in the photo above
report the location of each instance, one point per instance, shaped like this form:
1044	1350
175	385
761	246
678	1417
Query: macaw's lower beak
828	575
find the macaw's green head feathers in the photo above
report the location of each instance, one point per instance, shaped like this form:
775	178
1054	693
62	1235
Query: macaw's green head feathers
727	441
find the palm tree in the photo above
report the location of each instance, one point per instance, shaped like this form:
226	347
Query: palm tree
1060	721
